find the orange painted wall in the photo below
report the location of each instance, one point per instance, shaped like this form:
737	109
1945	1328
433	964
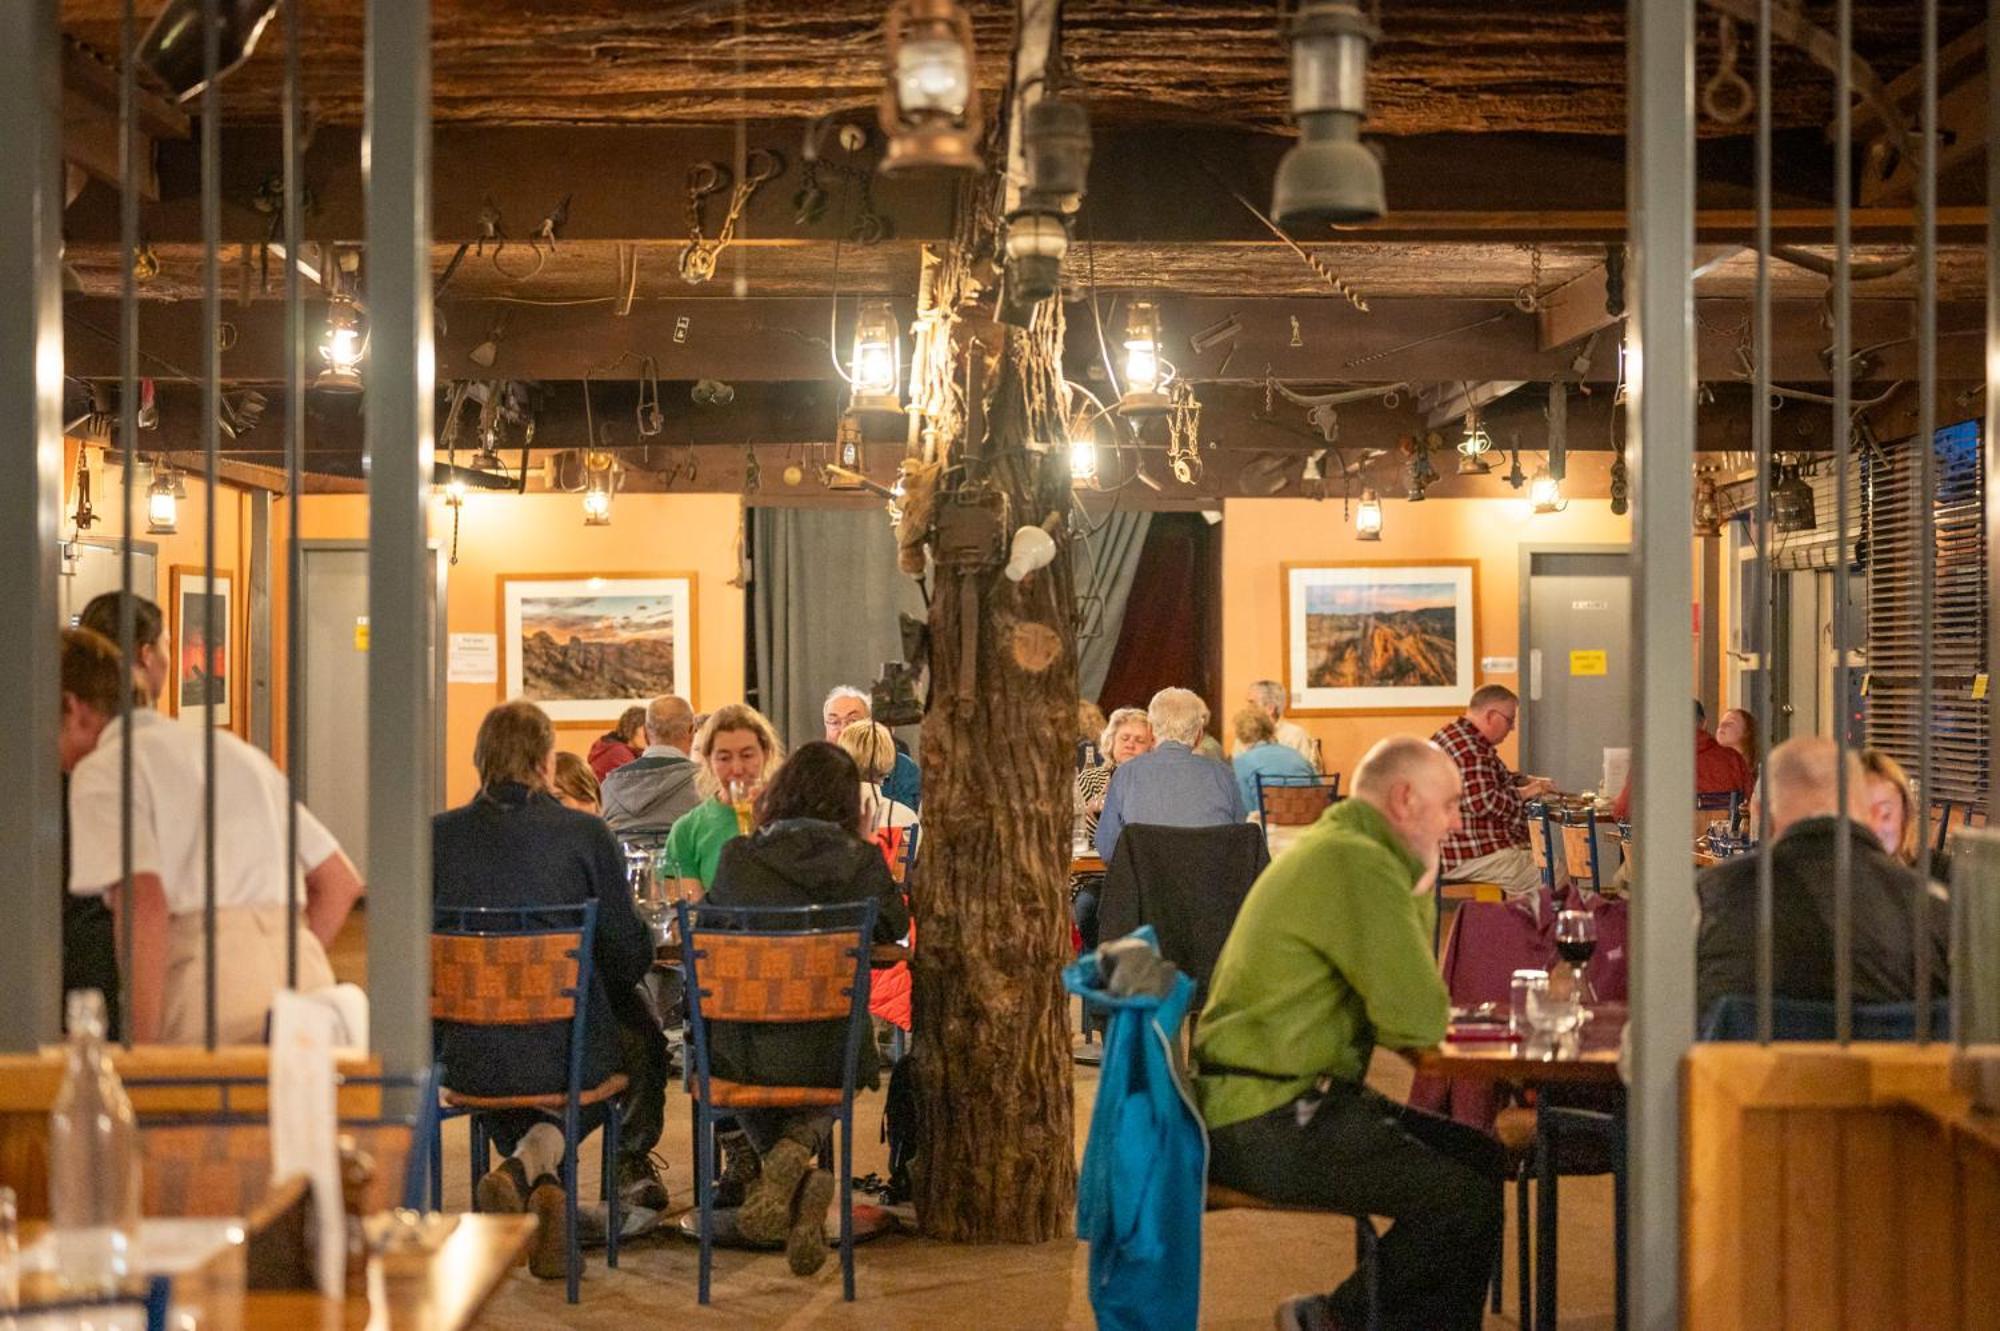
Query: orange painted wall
1259	535
545	534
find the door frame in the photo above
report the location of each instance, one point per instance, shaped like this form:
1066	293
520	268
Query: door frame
440	653
1523	661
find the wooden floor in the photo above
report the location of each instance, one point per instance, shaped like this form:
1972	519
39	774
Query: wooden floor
1250	1260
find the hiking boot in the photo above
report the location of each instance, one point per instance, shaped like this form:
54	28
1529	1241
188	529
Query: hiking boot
805	1244
1307	1312
548	1259
766	1213
504	1190
640	1184
740	1167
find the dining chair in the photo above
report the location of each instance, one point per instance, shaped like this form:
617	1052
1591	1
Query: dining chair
529	966
152	1300
774	964
1579	843
1294	801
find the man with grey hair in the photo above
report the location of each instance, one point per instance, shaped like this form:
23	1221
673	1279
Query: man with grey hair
845	705
1171	786
1268	697
1330	957
646	796
1805	829
1491	843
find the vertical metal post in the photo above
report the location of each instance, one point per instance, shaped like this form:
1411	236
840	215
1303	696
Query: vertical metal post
1659	200
211	426
295	435
1843	552
1760	433
1990	442
401	379
31	369
1926	524
259	603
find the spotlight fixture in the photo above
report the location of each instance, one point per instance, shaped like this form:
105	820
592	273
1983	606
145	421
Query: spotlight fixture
930	106
1545	492
162	503
1329	177
1083	460
1368	517
172	46
343	348
1472	449
1792	508
600	480
1707	509
1145	372
873	371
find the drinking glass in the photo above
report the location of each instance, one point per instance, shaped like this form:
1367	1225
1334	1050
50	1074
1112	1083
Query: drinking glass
1553	1014
739	799
1576	940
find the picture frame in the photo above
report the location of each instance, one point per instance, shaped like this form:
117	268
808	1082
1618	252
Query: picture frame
197	666
1422	619
584	647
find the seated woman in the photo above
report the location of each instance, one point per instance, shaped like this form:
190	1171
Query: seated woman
807	851
736	749
873	749
1127	735
621	744
1892	815
515	845
576	785
1258	753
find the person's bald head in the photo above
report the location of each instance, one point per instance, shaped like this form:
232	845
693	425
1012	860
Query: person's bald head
1805	782
1416	787
669	720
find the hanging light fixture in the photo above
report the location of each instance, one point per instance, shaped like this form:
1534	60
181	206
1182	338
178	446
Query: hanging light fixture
1146	372
172	46
343	348
1472	449
1037	240
1368	516
1792	507
1083	458
1329	177
873	370
1545	492
599	481
1707	509
930	108
1055	152
162	503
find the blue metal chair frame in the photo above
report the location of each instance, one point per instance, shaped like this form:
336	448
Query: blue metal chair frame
421	1164
909	855
1330	783
1734	1017
699	920
474	922
1945	810
155	1299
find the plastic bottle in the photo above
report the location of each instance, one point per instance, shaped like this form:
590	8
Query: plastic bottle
93	1160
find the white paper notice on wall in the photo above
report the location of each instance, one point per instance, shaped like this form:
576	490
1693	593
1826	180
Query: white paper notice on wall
474	658
1499	665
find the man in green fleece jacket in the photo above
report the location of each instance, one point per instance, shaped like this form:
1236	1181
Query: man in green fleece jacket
1330	956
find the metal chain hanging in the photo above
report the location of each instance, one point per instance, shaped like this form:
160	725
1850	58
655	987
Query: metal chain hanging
1528	299
1184	433
698	257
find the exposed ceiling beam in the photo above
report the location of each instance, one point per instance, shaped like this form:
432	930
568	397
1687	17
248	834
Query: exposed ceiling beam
1888	177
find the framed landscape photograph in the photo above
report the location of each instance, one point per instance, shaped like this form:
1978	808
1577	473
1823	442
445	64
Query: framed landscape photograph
1380	638
585	649
202	669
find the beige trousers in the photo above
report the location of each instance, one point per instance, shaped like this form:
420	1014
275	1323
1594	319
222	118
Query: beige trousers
250	968
1513	869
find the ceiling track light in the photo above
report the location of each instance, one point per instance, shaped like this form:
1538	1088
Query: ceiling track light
1329	178
930	104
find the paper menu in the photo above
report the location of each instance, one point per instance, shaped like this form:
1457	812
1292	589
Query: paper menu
304	1128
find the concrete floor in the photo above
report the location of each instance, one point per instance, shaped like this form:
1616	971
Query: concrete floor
1250	1260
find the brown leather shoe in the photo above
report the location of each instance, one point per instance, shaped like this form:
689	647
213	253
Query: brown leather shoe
504	1190
548	1259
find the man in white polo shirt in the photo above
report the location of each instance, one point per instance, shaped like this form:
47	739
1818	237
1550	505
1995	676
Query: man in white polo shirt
166	1001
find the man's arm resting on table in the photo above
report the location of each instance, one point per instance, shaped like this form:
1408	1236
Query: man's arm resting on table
332	888
145	986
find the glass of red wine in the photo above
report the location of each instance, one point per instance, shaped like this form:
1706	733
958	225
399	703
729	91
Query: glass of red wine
1576	940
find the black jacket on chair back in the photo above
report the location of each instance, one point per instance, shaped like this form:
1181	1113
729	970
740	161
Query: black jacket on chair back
1188	883
512	846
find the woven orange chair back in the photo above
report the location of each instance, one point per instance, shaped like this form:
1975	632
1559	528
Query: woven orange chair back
1576	851
504	979
224	1169
1538	841
1294	806
775	977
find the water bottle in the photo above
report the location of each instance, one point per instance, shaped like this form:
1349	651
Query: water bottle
93	1160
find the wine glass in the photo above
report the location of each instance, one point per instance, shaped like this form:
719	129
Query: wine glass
1576	940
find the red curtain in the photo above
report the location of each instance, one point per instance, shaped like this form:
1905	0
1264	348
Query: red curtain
1172	633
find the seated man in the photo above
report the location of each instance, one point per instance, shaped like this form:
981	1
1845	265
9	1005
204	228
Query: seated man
1260	753
1268	697
1804	831
166	991
1330	957
843	707
1491	843
648	794
1171	785
515	845
1718	769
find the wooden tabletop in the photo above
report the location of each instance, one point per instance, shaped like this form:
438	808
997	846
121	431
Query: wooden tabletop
459	1279
1082	864
1507	1060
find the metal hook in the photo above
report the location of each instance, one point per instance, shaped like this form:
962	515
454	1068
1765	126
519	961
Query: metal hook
1726	96
706	178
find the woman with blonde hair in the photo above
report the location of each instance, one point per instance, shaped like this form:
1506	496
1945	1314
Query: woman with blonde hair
873	749
737	750
576	785
1892	807
1737	730
1127	734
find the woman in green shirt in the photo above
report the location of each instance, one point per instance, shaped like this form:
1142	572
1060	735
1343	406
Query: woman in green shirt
735	748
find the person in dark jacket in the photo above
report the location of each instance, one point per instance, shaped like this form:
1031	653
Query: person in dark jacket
515	845
807	851
1805	831
619	745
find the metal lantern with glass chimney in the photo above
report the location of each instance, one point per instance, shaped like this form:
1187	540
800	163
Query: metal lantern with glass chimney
930	108
1792	508
1545	492
162	503
599	482
873	372
1707	508
1036	243
1368	517
1329	177
1146	373
1082	457
343	348
1472	449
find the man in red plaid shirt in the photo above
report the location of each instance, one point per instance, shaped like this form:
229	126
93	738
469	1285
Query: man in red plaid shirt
1491	844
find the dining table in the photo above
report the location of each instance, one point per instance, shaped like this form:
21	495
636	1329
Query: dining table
1492	1052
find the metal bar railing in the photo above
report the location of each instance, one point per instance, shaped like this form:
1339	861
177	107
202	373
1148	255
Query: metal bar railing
1760	428
128	442
1991	443
295	428
1843	428
211	377
1926	500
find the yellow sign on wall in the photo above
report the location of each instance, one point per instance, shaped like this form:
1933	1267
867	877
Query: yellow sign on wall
361	633
1587	663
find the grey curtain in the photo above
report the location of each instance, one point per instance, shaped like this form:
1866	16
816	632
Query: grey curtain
1104	570
825	592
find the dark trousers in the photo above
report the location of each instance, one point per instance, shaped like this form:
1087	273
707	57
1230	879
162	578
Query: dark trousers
643	1059
1083	908
1353	1150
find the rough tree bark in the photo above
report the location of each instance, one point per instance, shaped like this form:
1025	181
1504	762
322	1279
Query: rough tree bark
997	1154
